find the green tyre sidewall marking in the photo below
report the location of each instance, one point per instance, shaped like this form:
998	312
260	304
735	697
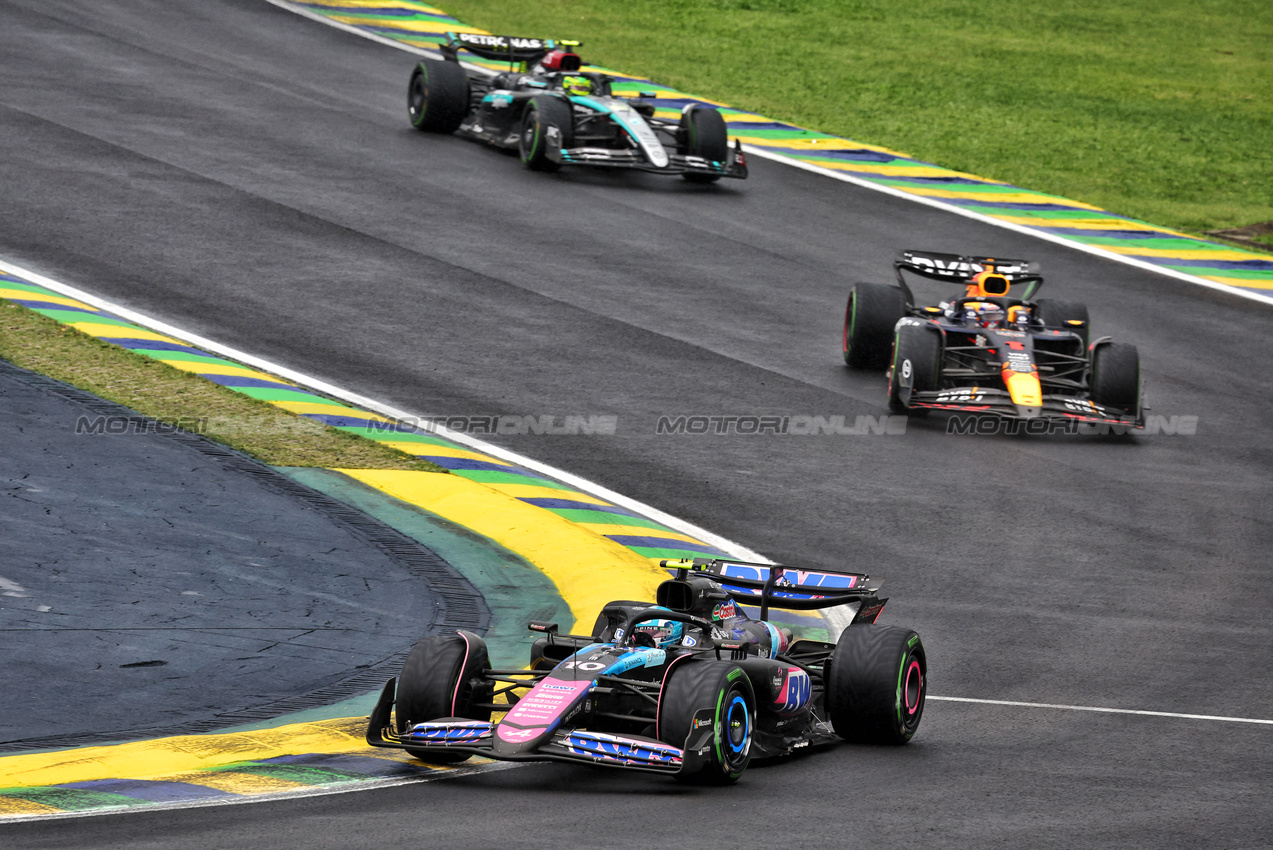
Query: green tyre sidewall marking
853	323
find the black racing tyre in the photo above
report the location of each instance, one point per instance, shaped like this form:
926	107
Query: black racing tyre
704	134
1116	376
430	687
869	318
545	115
876	681
722	687
1058	314
917	354
437	96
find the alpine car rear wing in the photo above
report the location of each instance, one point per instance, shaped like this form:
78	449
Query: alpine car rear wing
779	586
501	48
961	269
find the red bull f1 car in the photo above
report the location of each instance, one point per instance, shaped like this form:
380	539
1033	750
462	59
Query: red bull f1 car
689	685
993	350
553	113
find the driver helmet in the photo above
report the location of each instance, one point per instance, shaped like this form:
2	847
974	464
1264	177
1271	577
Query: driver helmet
991	316
664	633
576	86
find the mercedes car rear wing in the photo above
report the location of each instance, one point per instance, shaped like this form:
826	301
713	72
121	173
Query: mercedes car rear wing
501	48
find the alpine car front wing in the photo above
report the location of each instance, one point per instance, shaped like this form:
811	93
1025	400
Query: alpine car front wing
476	737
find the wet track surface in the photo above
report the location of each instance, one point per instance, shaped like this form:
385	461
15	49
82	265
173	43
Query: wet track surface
155	583
250	175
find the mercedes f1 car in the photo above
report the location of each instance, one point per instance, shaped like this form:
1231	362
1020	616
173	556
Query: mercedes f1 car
989	351
554	114
688	686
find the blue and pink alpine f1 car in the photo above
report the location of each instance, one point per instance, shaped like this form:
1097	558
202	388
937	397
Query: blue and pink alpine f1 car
690	685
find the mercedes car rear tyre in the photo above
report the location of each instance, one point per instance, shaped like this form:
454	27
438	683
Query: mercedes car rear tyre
437	96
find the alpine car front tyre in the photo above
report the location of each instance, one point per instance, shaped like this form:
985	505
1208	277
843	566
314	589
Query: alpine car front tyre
442	676
704	134
869	318
1116	376
545	117
716	700
437	96
876	682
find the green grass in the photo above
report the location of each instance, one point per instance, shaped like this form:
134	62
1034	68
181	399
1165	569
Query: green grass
156	389
1160	110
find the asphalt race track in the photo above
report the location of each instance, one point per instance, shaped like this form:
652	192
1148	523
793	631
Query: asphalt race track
250	175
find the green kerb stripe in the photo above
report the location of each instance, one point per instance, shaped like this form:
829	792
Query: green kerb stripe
71	799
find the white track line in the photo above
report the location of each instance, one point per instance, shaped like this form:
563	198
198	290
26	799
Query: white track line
1007	225
866	184
1090	708
352	398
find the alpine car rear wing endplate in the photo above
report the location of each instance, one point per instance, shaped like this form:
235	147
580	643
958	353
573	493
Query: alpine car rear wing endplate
772	585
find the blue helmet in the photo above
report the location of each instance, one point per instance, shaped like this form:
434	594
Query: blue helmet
662	633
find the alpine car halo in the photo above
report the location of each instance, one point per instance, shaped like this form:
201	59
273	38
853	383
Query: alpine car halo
988	351
554	113
689	685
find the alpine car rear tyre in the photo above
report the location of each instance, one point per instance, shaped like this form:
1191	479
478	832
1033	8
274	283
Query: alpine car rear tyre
1058	315
876	681
917	359
1116	376
869	318
437	96
724	690
704	135
442	677
544	117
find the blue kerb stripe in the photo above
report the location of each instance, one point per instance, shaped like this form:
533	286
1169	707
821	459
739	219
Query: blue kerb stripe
364	765
41	304
153	345
1110	234
236	381
662	543
464	463
1008	205
152	791
382	11
1236	265
572	505
344	421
